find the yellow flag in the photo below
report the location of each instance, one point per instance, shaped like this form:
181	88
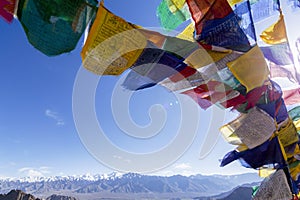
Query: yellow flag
202	57
250	69
288	134
175	5
265	171
297	124
187	33
276	33
233	2
113	44
157	38
229	135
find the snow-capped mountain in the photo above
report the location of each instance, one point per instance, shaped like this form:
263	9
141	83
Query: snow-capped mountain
85	177
115	184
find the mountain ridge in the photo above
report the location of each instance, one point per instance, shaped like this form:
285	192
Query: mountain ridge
130	184
113	175
20	195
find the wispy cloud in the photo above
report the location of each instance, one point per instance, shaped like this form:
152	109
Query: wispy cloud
121	158
184	169
55	116
34	172
183	166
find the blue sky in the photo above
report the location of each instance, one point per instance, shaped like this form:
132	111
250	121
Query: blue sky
37	131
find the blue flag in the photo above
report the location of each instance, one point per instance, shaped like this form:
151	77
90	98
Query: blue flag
269	152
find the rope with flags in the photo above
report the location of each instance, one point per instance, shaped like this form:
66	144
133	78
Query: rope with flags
220	58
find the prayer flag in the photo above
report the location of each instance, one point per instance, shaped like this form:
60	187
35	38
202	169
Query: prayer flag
113	44
250	69
152	66
275	186
212	71
295	113
171	16
55	26
7	9
291	96
225	32
275	109
270	152
262	9
279	54
175	5
253	128
203	11
187	33
287	134
233	2
202	102
243	12
212	91
276	33
217	24
294	166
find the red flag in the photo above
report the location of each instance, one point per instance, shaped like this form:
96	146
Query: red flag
291	96
7	8
207	94
204	10
184	73
203	103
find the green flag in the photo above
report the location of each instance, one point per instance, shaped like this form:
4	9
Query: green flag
169	20
55	26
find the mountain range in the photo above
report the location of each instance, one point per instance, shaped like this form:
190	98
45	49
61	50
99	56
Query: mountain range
130	186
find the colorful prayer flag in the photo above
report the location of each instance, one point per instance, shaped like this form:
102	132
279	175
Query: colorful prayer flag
270	152
113	44
191	81
279	54
291	96
217	24
275	186
243	12
187	33
212	70
203	103
171	16
212	91
276	33
233	2
287	134
294	167
7	9
250	69
203	11
175	5
252	128
55	26
262	9
225	32
295	113
275	109
152	66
